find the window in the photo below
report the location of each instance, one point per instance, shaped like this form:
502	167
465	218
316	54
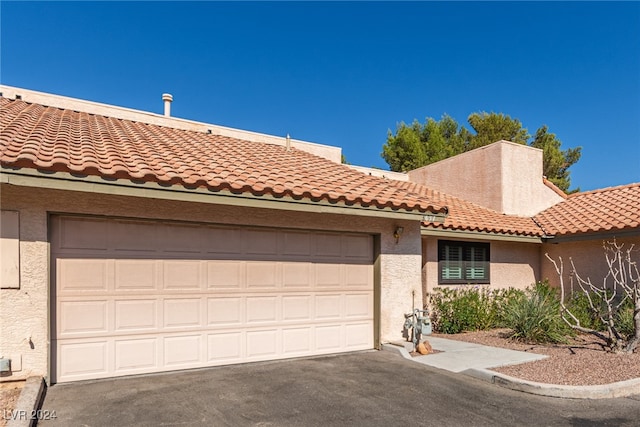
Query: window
463	262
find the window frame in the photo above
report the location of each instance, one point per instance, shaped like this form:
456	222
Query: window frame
465	250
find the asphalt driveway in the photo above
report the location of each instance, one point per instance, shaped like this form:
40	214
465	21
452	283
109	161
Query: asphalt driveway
371	388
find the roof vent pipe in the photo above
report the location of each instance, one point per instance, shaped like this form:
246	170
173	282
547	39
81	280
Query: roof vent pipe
167	98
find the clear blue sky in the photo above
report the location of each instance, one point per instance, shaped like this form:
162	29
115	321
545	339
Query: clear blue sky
345	73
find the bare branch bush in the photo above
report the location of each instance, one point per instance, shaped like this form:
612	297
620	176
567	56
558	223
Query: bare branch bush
605	300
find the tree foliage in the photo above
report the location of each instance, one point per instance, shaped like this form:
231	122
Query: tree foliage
416	145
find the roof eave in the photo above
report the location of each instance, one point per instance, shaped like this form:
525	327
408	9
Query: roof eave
94	184
478	235
596	235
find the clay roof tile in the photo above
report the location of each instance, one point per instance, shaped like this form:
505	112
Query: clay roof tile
37	136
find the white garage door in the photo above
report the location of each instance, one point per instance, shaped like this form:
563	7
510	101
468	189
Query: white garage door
135	297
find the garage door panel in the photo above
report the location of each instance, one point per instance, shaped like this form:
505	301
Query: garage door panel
297	275
136	315
83	359
136	274
226	241
82	317
82	233
225	275
136	354
328	245
358	305
181	312
358	276
182	350
133	236
263	344
225	311
261	309
328	338
225	347
236	295
328	275
297	308
358	247
297	341
359	335
183	274
183	239
328	307
260	242
262	274
83	274
296	245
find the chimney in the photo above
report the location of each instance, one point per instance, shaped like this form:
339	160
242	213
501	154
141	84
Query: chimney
167	98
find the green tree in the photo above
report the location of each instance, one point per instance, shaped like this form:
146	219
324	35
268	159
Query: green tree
492	127
416	145
556	162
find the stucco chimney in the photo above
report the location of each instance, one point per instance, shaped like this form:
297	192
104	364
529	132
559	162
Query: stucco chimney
167	98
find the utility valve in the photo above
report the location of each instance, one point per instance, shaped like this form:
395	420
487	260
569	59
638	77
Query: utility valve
420	322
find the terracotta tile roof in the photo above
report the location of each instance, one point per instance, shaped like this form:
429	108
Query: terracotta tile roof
468	216
614	208
554	187
53	139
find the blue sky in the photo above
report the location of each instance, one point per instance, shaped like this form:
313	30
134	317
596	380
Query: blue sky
342	73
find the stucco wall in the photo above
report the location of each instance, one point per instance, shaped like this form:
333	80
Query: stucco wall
502	176
24	312
513	264
588	257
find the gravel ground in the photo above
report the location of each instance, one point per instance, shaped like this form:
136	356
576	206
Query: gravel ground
9	394
583	361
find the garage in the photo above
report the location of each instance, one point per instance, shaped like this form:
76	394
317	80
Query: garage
141	296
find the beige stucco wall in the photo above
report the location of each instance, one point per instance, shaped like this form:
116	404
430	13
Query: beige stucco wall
502	176
513	264
24	312
588	257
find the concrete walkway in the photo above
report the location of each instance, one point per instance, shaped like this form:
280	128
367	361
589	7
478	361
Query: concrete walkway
476	360
458	356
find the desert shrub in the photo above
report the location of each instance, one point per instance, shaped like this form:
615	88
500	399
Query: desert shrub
469	308
535	316
578	305
624	319
501	300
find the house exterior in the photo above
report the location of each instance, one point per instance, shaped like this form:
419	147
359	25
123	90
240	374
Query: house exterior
497	239
134	242
583	222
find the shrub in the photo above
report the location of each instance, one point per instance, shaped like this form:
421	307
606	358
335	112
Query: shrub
501	300
624	319
469	308
535	316
578	305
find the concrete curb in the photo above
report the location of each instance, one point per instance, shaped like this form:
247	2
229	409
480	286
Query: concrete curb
25	413
606	391
396	348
